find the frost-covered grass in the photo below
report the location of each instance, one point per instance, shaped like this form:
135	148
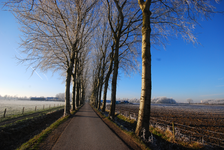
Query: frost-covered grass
15	107
168	136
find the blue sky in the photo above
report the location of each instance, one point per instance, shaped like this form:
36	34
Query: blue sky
181	71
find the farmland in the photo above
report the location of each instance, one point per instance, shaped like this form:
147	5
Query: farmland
14	107
199	122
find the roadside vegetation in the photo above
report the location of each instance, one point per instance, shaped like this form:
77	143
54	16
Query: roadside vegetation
166	138
134	139
34	142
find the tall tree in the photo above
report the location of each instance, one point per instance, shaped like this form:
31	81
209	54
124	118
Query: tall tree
162	19
54	32
123	23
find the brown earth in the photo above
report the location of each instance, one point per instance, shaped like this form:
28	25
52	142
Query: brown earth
16	134
194	122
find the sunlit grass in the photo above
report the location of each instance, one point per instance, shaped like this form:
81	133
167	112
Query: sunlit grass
168	136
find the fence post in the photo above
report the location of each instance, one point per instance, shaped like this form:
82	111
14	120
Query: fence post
23	110
190	137
49	106
35	108
43	106
173	131
4	113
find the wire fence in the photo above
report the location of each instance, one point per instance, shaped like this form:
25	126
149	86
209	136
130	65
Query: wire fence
182	132
9	111
188	135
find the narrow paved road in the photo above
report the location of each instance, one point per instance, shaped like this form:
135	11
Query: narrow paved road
87	131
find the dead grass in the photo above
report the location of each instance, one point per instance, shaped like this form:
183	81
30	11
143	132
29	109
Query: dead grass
168	136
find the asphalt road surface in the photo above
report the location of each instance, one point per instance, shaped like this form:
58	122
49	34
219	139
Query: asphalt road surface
87	131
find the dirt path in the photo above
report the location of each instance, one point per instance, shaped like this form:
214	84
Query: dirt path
87	131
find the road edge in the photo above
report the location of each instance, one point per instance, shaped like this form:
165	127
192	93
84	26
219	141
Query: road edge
126	138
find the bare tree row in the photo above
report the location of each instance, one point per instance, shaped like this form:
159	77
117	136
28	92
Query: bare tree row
90	41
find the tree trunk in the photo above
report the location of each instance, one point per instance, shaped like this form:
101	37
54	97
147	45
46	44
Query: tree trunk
77	93
97	91
82	93
100	92
67	89
73	93
145	101
106	83
114	83
101	81
73	90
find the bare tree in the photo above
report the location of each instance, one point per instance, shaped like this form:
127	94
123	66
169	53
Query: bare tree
162	19
54	33
189	100
123	23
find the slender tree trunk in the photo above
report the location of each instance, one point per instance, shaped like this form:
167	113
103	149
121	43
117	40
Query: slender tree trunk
77	93
105	94
101	81
73	93
67	88
106	82
114	83
97	91
80	94
145	101
100	92
67	93
83	94
74	85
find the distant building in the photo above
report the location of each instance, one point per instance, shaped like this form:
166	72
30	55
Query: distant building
37	98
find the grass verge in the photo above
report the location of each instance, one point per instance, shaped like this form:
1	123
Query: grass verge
168	136
34	143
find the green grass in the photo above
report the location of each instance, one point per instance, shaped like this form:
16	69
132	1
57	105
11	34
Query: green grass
34	143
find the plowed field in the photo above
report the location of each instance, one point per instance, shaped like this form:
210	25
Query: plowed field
198	121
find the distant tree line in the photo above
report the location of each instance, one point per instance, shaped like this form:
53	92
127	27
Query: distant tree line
6	97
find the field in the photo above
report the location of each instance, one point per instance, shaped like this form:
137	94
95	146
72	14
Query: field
14	107
204	123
